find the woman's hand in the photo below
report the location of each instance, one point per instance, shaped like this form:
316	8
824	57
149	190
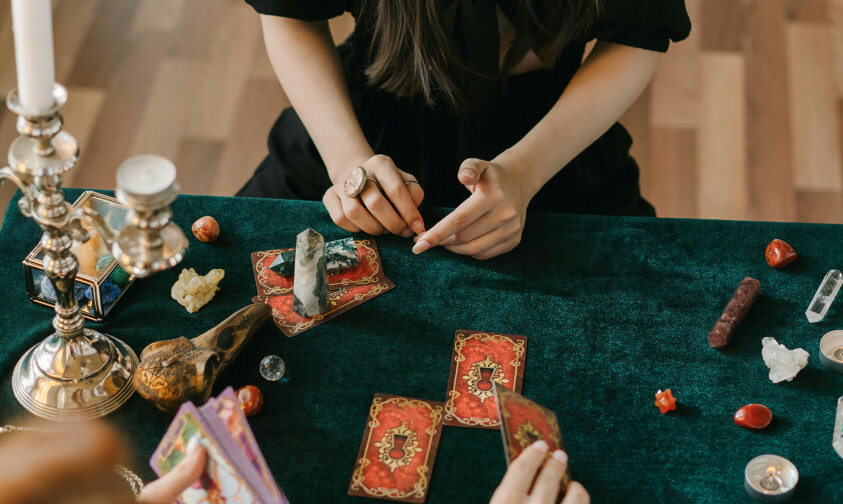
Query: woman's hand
389	204
491	220
515	488
167	488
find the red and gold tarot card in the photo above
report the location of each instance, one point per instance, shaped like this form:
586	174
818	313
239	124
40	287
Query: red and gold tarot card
524	422
368	271
399	445
481	360
347	288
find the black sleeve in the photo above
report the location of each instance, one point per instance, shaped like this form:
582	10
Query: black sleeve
646	24
305	10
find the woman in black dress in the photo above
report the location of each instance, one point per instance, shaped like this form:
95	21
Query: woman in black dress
488	106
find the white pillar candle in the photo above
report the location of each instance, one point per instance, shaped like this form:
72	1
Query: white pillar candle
32	22
146	175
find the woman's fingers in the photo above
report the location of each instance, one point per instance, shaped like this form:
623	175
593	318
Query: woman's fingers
166	489
549	482
463	216
332	203
576	494
413	186
475	248
398	192
480	227
382	210
470	171
358	214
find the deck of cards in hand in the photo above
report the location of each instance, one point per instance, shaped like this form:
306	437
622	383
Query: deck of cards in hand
235	470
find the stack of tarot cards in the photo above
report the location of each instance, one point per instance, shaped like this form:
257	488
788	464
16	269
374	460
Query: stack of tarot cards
235	470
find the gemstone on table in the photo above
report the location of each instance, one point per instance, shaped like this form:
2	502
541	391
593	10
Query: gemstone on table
784	363
340	254
824	296
250	399
779	254
665	401
310	287
754	416
733	314
206	229
272	367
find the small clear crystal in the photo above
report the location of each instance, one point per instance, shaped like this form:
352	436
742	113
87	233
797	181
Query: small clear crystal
784	363
837	443
272	367
824	297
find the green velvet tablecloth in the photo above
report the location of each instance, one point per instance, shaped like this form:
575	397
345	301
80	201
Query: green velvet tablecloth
613	308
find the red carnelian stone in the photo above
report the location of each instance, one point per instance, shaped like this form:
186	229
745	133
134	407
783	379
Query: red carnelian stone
206	229
779	254
754	416
665	401
251	400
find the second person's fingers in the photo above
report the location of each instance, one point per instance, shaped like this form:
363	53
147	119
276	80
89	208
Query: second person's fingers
518	478
549	482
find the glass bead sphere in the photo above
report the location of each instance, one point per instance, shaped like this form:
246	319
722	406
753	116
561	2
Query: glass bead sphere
272	367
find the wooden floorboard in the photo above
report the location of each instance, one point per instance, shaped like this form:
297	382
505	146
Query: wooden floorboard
743	120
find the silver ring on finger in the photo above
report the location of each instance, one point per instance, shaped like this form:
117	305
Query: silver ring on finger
408	182
356	182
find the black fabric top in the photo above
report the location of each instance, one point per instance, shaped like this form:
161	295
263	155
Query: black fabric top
647	24
430	141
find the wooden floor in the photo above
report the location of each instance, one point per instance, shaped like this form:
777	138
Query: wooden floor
744	120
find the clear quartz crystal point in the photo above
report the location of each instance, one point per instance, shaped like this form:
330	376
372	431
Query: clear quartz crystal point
824	297
837	443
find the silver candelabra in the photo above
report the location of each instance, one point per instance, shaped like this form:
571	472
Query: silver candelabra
78	373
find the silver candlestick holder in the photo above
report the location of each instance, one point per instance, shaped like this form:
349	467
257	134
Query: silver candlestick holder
78	373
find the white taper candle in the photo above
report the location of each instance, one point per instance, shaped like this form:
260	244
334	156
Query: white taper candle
32	22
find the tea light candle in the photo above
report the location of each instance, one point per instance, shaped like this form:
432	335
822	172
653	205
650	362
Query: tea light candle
32	23
831	351
770	478
146	175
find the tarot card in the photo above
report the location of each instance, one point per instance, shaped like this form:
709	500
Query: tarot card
524	422
368	271
347	288
479	362
225	417
399	446
221	481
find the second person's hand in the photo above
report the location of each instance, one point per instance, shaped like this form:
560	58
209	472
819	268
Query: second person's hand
388	204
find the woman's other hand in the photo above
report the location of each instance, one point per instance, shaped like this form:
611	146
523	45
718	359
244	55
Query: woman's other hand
490	221
389	204
517	486
167	488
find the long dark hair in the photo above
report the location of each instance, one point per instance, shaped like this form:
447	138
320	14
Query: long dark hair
413	51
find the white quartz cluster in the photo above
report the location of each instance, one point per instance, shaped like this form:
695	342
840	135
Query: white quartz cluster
784	364
193	291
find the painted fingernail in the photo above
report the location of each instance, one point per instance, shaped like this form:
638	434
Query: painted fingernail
417	226
561	456
193	444
421	246
407	233
468	172
541	444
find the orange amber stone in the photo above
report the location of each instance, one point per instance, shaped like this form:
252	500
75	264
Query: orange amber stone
754	416
665	401
779	254
251	400
206	229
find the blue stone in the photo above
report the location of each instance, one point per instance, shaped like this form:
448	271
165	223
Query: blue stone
49	293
